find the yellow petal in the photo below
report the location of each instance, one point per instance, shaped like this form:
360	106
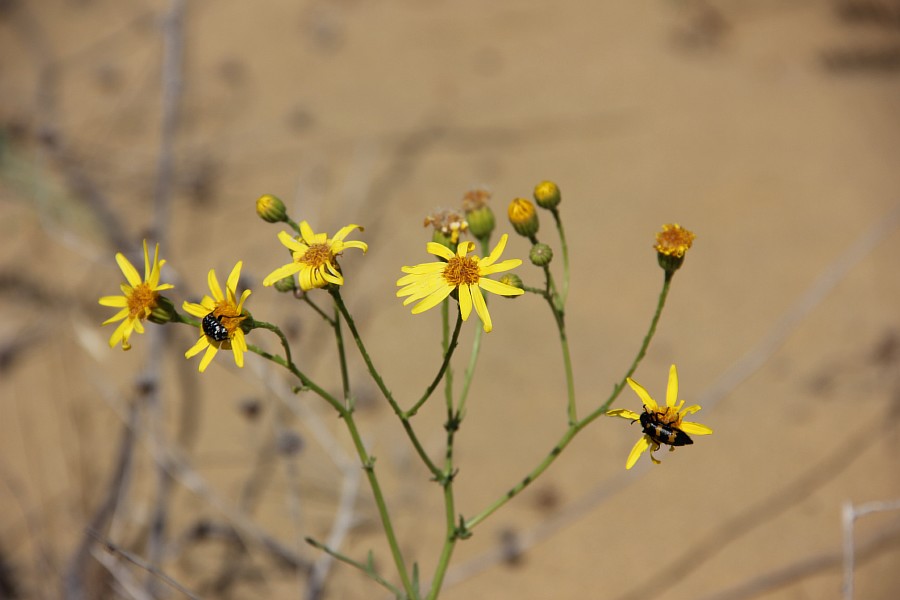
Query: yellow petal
344	231
481	308
117	317
291	243
195	310
465	301
433	300
624	413
232	283
639	448
672	387
114	301
495	253
439	250
692	428
131	274
202	343
244	295
497	287
645	397
281	272
506	265
214	287
207	358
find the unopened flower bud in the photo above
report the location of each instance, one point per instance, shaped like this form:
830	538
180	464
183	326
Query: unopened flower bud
513	280
523	217
481	222
164	311
546	194
270	209
286	284
540	255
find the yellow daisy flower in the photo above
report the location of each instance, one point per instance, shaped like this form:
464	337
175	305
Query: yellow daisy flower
674	240
222	315
661	424
314	257
430	283
139	297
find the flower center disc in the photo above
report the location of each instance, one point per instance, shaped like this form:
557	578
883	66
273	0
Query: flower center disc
317	255
462	271
141	300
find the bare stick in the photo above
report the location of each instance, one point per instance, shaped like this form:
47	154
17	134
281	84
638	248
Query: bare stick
172	32
849	514
138	561
807	567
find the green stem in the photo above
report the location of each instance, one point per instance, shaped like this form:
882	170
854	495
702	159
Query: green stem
567	362
368	569
448	353
664	293
367	461
368	464
376	377
565	254
470	369
342	357
577	426
305	297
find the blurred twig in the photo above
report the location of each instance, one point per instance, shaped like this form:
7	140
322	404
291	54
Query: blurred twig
172	33
849	514
807	567
136	560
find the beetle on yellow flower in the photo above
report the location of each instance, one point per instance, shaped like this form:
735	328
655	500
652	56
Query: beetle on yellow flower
660	424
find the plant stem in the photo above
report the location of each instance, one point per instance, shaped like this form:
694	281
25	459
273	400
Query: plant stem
342	356
565	254
376	377
577	426
368	569
448	353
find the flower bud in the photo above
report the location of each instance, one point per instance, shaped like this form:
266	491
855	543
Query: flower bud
286	284
540	255
481	222
546	194
164	311
523	217
270	209
671	245
513	280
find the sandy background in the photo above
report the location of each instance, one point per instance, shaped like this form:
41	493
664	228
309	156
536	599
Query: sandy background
768	128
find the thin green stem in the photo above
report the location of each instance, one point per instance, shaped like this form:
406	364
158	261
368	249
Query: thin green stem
376	377
470	369
368	464
305	297
565	254
342	357
577	426
277	331
660	304
572	409
368	568
448	353
445	345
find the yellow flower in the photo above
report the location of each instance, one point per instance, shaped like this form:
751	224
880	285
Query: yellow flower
222	315
431	283
315	257
674	240
661	424
138	299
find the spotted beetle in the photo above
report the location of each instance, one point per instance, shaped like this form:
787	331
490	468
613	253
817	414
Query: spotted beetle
212	326
662	433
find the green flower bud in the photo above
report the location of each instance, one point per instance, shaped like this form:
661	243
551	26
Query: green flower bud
444	239
540	255
513	280
481	222
546	194
164	311
523	217
286	284
270	209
